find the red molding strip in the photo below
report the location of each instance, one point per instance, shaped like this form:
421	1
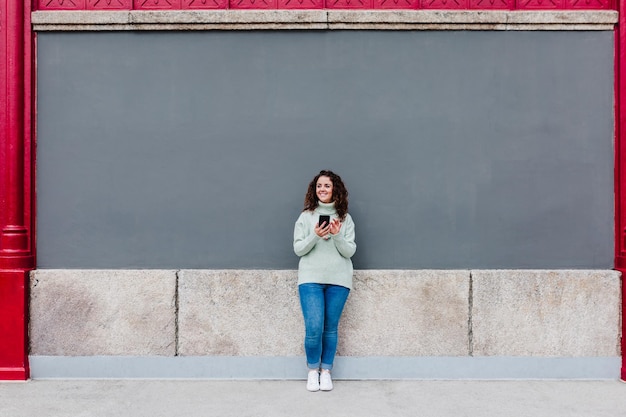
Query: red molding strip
325	4
620	162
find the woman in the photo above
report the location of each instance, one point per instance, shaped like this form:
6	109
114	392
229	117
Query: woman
325	246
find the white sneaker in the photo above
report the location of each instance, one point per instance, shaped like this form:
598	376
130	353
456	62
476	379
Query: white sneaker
326	382
313	381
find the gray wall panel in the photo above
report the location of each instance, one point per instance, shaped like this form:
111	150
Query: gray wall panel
193	150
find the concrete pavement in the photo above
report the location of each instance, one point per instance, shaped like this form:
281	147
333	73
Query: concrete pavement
204	398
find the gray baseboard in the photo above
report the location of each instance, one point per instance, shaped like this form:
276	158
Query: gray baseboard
362	368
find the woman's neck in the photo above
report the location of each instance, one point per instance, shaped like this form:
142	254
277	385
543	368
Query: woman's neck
326	208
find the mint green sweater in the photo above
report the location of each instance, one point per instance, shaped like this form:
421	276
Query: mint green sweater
324	261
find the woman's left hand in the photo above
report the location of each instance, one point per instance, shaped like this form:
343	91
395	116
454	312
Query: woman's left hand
335	226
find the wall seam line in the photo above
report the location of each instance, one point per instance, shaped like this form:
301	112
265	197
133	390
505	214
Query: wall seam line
176	315
470	324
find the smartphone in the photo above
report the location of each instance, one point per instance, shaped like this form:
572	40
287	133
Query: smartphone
324	218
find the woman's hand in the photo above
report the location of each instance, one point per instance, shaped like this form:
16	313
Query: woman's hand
335	226
324	230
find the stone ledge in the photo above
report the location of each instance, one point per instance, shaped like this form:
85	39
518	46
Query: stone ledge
423	313
463	313
102	312
406	313
323	20
546	313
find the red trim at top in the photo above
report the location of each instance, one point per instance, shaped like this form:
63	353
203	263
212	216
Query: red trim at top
325	4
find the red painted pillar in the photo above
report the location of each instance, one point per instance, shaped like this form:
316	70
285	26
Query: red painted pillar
17	249
620	161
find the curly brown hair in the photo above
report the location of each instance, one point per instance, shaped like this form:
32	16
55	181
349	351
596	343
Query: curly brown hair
340	194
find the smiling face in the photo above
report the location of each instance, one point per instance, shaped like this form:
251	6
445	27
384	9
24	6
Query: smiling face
324	189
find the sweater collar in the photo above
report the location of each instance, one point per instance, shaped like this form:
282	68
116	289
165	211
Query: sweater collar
326	208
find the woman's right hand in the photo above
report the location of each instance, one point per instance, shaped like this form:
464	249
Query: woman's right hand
323	230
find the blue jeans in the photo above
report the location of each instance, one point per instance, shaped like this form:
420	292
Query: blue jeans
322	305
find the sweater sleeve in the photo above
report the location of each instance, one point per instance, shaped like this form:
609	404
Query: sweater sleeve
344	242
303	239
